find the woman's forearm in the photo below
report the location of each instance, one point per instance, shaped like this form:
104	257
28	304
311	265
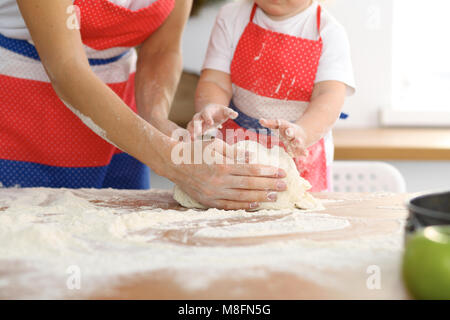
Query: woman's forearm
159	69
157	77
107	115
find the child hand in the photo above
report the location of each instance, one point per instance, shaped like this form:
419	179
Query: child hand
291	134
212	116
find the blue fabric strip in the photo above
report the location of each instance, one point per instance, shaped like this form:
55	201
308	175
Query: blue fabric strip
250	123
124	172
26	49
246	121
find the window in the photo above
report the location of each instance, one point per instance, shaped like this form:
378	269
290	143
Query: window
421	63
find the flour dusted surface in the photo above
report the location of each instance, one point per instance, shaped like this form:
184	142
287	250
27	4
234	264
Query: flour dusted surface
109	233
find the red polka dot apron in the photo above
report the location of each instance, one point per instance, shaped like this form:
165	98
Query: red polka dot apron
42	143
270	66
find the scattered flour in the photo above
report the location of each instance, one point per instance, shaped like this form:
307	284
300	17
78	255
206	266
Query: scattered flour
45	231
89	123
391	207
294	223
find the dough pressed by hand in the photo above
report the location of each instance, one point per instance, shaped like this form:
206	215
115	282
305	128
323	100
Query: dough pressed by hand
296	195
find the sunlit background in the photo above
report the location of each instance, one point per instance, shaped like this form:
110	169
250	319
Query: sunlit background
421	55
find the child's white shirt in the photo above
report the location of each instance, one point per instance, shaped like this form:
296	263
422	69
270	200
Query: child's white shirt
335	62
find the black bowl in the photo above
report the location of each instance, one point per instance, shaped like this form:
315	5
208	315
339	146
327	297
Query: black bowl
428	210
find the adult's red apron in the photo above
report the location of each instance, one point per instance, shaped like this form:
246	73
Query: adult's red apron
42	143
275	70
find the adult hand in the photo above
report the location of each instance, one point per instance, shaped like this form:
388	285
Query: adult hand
227	186
212	116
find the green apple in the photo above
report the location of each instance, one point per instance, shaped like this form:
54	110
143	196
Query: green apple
426	263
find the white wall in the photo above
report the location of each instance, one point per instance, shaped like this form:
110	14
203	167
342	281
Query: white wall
196	38
369	28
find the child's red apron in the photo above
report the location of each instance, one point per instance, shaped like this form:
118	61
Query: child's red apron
42	143
277	66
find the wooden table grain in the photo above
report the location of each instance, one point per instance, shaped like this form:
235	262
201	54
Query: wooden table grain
371	215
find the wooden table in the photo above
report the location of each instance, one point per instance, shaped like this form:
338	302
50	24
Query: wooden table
376	220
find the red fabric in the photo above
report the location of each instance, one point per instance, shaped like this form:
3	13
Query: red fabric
314	167
276	65
106	25
37	127
319	13
283	67
252	15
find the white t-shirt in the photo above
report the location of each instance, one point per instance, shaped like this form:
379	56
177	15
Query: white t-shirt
335	62
12	24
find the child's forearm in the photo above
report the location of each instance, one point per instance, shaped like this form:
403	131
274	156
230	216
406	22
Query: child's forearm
323	111
214	87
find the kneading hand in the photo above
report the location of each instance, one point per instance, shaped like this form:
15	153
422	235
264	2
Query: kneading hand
212	116
229	186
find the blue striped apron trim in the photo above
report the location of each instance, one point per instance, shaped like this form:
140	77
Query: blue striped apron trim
246	121
124	172
249	123
26	49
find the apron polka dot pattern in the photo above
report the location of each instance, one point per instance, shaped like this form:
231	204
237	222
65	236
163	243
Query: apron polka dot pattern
108	25
260	54
271	66
42	143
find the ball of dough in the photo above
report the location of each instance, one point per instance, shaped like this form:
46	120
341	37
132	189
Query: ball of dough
296	195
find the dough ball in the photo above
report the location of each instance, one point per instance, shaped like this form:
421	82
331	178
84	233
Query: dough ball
296	195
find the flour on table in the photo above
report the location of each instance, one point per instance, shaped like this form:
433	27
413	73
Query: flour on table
296	195
297	222
46	232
